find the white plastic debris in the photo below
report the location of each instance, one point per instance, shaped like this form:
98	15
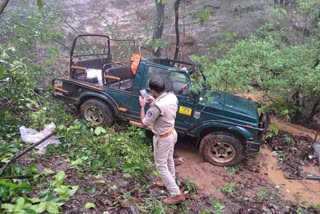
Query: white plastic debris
33	136
92	73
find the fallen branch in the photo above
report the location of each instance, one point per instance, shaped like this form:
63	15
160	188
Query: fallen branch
304	177
20	154
315	137
17	177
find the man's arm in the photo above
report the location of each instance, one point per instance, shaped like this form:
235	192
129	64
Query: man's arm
142	110
147	118
142	114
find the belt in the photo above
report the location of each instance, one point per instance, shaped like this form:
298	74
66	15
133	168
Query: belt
167	133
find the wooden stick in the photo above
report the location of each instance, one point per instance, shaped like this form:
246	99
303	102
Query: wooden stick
17	177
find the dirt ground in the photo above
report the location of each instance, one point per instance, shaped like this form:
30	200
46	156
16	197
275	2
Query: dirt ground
263	171
261	180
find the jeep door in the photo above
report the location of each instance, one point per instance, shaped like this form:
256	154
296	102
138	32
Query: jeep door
177	83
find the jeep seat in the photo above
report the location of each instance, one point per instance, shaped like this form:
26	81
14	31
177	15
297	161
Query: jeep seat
119	77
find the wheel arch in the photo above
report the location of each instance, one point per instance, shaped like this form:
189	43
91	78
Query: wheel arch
241	133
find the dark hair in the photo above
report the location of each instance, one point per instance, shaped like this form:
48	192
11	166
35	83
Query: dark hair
157	84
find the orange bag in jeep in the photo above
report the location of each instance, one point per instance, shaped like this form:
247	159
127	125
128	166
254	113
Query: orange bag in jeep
135	60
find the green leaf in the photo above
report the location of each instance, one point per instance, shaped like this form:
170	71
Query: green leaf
53	208
31	211
90	190
4	193
101	181
9	184
8	207
73	190
1	71
40	4
90	205
47	171
59	178
99	130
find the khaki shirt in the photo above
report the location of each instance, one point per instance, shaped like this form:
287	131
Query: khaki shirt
162	113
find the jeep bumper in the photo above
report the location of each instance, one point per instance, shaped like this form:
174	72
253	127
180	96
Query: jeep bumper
253	146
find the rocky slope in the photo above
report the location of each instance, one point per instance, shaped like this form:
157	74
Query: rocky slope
135	18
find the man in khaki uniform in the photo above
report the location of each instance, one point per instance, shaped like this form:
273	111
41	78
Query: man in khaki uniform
161	115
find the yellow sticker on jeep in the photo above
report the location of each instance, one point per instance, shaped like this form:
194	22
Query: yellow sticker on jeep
185	110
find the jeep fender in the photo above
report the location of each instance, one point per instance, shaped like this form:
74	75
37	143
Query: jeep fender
101	96
208	127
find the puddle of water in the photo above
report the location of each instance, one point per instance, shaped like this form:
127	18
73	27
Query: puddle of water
307	191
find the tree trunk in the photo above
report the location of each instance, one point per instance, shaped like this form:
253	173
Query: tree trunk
176	25
158	28
3	5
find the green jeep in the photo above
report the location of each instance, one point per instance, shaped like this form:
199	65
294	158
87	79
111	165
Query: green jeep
224	125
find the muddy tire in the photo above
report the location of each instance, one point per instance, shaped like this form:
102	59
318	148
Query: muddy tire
221	149
97	112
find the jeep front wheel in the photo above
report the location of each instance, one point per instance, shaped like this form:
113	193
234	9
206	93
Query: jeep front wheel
97	112
221	149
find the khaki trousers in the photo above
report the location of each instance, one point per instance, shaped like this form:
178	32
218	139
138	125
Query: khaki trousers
163	158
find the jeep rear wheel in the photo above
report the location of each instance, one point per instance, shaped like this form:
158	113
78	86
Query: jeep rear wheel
97	112
221	149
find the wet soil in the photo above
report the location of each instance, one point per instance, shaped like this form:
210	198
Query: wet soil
260	181
287	155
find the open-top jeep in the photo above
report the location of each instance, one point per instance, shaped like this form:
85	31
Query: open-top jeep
225	125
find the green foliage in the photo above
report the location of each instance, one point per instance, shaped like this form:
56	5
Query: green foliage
217	208
19	55
40	4
309	9
240	10
229	188
232	170
191	187
50	200
204	16
273	130
96	150
156	44
153	206
262	195
200	16
161	1
287	73
289	139
90	205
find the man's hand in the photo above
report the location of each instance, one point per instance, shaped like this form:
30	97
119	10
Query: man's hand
142	101
151	99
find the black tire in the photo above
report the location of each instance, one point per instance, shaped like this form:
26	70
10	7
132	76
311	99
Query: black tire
97	112
221	149
149	133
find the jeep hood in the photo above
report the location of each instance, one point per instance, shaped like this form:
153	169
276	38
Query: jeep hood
233	107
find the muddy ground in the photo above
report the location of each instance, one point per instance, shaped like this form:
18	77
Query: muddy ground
258	185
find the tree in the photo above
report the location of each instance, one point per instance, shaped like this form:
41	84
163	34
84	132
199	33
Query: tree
3	5
176	27
159	24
